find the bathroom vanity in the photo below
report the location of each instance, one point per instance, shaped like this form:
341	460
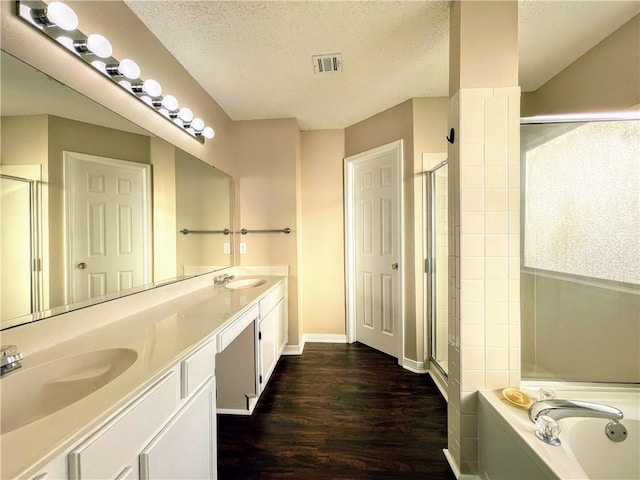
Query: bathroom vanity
136	397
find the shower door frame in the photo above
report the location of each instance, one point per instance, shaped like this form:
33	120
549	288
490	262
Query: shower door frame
430	267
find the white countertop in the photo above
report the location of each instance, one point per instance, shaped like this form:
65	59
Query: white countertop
162	336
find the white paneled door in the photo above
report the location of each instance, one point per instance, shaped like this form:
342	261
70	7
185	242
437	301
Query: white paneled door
374	247
108	216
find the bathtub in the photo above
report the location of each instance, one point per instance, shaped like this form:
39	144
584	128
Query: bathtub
509	450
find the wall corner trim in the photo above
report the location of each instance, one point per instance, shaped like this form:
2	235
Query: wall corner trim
413	366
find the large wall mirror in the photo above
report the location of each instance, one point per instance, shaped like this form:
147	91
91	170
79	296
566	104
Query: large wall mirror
93	206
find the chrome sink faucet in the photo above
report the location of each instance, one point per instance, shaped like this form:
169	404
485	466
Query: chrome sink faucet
222	279
9	359
546	413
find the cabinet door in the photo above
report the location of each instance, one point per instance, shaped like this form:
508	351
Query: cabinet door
268	346
112	451
186	447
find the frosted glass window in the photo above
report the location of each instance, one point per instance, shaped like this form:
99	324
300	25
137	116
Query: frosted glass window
582	202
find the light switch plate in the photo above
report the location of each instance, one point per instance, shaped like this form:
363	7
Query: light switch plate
243	248
227	248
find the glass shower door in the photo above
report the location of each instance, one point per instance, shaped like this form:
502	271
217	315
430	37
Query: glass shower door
15	247
438	263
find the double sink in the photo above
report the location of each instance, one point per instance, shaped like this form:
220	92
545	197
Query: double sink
32	393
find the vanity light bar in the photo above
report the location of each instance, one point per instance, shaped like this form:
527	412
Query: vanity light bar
59	22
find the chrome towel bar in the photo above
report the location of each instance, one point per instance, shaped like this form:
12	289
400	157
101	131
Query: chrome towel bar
186	231
286	230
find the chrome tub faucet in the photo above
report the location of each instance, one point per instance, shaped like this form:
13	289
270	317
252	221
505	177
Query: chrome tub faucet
546	413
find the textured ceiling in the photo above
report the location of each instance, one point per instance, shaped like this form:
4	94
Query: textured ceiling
254	57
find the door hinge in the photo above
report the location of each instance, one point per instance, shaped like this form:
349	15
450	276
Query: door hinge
37	265
428	265
259	335
260	378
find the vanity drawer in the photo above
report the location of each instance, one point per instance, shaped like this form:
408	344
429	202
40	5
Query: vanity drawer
271	300
112	452
198	367
236	327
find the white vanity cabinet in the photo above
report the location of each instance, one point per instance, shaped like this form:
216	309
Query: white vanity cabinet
169	431
248	351
186	447
268	345
272	331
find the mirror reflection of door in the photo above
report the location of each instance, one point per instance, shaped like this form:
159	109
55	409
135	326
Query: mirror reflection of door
108	224
18	225
438	261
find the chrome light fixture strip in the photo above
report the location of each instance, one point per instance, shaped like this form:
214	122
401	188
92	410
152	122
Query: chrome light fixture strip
60	23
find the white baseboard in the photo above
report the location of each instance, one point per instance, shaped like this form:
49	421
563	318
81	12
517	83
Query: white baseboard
413	366
293	350
314	338
324	338
456	469
233	411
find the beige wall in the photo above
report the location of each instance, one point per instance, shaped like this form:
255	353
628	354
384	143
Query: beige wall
203	202
323	227
478	59
429	132
163	159
606	78
267	154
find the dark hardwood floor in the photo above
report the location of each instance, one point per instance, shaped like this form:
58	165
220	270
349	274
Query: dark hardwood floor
338	412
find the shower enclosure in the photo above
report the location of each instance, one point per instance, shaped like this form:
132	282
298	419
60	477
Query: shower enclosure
580	244
437	259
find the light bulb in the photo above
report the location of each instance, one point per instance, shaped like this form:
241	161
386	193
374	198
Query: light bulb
99	65
163	111
126	68
149	87
190	130
62	16
95	44
99	46
129	69
208	133
197	124
66	41
152	87
147	99
125	84
185	114
170	103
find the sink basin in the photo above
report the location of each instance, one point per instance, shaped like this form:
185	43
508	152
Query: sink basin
245	283
31	393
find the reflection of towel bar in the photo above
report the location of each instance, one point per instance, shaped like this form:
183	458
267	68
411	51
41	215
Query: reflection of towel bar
186	231
287	230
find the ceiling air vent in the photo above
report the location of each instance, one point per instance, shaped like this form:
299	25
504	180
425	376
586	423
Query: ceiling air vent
327	63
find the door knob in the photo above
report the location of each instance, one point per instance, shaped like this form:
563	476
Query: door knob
394	266
82	265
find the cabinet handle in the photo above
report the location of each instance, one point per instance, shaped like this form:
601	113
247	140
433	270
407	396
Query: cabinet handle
124	473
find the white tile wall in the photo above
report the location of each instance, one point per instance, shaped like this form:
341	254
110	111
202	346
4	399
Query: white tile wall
484	215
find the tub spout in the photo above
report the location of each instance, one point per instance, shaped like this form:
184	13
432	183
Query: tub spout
557	409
